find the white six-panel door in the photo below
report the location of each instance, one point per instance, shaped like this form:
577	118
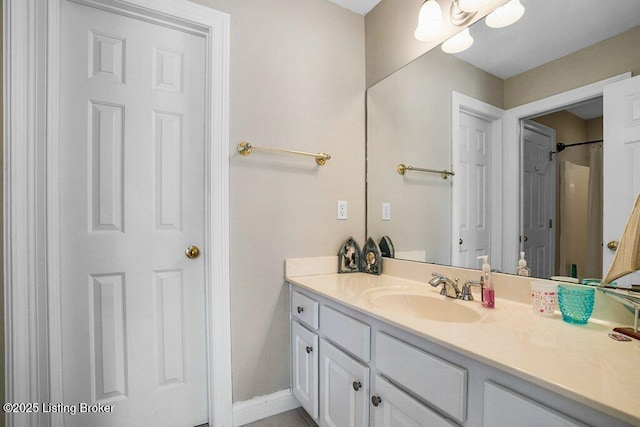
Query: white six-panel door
473	177
132	200
538	198
621	160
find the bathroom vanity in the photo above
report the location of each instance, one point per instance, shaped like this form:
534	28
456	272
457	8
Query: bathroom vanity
389	351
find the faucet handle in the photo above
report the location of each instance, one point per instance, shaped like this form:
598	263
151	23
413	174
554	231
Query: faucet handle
465	293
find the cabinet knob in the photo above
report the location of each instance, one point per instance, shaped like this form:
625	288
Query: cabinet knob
375	400
357	385
309	349
300	309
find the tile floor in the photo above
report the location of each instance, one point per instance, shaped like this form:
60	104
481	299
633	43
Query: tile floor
293	418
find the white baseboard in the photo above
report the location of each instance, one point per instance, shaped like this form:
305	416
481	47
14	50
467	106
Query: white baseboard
263	407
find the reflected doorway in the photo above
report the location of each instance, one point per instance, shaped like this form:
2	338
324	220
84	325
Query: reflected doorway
575	193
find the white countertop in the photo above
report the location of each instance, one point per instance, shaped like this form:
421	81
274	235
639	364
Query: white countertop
577	361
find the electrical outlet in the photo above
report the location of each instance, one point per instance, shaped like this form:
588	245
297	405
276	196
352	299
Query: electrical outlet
342	209
386	211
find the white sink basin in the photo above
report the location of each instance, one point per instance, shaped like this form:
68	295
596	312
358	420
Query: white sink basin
423	306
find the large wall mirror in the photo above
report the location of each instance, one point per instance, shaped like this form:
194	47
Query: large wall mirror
514	189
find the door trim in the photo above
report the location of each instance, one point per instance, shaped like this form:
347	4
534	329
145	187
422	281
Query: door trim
31	266
511	158
465	104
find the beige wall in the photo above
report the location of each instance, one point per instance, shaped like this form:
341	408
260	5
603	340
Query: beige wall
297	81
608	58
409	121
595	129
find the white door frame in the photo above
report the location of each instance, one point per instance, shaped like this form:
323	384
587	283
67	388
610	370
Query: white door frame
511	158
463	103
31	264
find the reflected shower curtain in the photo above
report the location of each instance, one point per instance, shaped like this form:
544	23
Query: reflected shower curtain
574	189
593	256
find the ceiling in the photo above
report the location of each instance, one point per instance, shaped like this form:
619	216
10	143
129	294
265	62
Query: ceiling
358	6
549	29
535	39
588	110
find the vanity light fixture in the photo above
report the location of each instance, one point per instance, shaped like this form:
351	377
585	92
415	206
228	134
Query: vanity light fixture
505	15
430	25
458	43
472	5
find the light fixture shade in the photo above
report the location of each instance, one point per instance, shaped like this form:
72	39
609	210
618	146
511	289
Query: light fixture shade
458	43
472	5
505	15
430	26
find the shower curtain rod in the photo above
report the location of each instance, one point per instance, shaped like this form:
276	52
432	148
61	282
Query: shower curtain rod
561	146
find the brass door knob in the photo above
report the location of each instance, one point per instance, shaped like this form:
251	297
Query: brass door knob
192	252
613	245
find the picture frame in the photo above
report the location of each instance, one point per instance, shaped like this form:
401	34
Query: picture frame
386	247
349	257
371	257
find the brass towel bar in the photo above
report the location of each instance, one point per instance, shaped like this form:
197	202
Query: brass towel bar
245	149
402	169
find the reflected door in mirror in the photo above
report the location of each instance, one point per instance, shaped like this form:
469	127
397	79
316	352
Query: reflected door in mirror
537	238
474	190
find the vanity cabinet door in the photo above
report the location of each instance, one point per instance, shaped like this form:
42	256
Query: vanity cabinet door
344	389
392	407
503	407
304	367
435	380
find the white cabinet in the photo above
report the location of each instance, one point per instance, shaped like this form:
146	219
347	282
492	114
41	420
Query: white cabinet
304	369
392	407
505	408
343	378
436	381
344	389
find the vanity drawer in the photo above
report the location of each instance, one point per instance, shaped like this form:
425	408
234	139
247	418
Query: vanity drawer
305	309
397	408
435	380
349	333
505	407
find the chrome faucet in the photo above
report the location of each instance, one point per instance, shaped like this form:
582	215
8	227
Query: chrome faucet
465	293
449	287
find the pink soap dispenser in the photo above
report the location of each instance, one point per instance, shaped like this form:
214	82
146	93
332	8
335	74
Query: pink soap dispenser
488	294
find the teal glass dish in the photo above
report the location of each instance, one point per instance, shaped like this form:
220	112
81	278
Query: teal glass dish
576	303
